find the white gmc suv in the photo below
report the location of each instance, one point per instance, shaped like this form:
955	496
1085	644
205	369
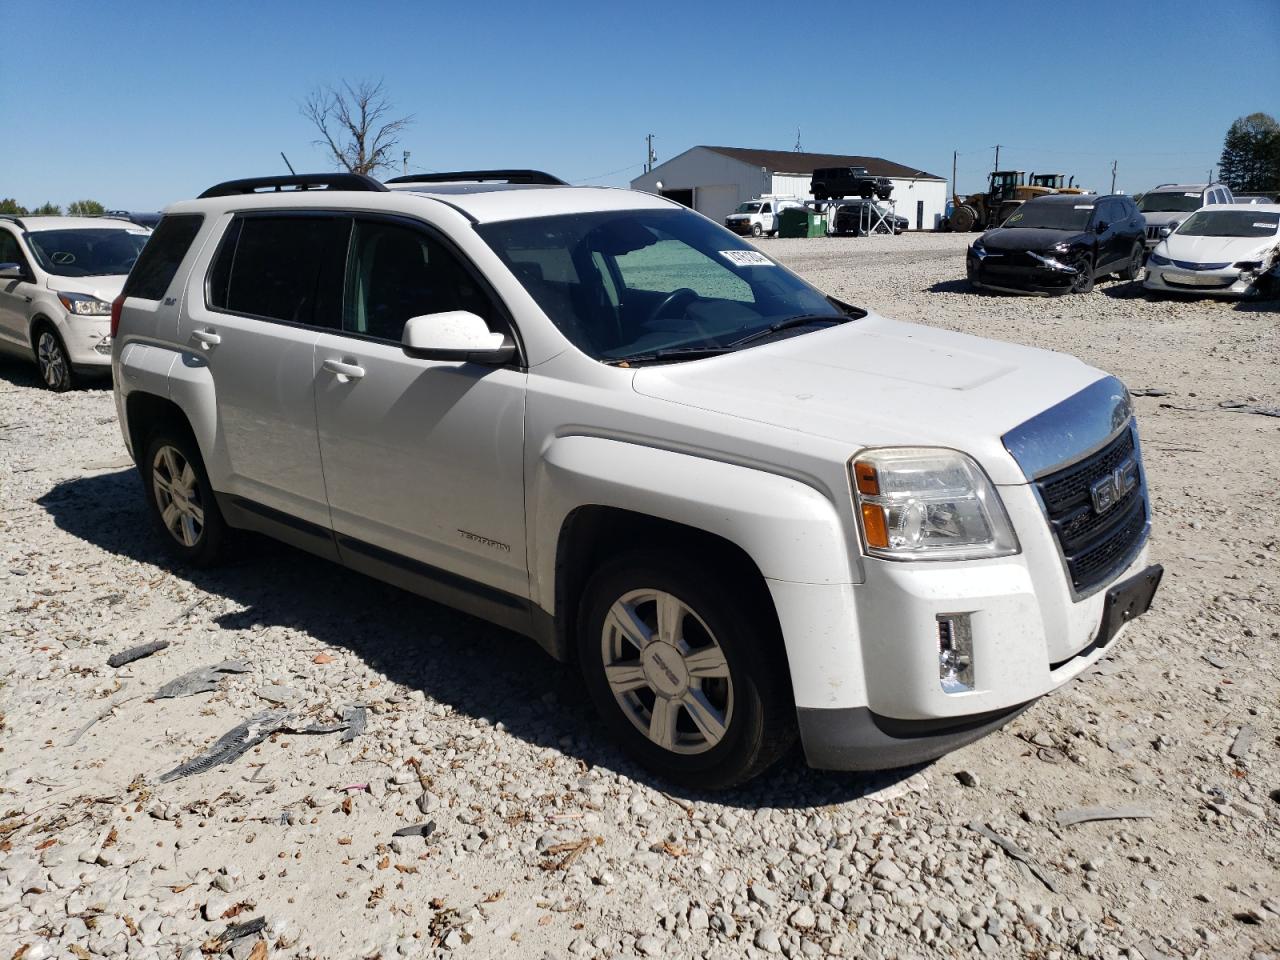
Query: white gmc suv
745	509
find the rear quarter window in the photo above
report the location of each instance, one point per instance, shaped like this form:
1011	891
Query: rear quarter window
160	258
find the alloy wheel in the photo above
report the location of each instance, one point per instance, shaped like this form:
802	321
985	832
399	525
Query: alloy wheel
53	361
667	672
178	496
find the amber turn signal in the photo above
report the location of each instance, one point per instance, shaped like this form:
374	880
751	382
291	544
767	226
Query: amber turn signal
864	474
873	525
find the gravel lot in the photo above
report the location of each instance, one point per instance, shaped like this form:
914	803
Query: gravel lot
546	841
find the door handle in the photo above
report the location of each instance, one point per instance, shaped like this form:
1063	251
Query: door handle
207	338
344	370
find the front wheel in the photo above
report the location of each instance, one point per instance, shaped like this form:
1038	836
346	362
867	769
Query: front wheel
181	499
757	230
1133	269
686	671
55	364
1084	275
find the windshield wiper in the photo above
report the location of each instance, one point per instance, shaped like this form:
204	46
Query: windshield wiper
787	324
669	353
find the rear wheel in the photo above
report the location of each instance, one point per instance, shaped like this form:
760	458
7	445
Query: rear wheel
1133	269
1084	275
181	499
52	358
685	670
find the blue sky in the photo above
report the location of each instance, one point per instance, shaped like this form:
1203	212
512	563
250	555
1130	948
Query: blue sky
141	104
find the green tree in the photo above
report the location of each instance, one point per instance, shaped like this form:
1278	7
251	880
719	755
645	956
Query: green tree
85	208
48	209
10	205
1250	159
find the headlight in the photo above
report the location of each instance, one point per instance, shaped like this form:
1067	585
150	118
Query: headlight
924	503
977	249
83	305
1160	261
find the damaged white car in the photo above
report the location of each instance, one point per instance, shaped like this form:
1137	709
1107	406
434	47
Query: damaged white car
1230	250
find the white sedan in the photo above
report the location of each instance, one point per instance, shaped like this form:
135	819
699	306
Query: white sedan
1227	250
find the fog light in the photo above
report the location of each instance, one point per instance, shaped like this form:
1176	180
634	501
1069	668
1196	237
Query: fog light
103	346
955	652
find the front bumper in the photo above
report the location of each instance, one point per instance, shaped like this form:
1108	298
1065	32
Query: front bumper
993	274
741	227
88	341
1207	283
859	738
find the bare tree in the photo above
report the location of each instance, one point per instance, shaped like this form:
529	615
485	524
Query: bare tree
353	124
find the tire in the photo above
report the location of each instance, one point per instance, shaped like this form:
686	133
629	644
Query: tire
757	230
1084	279
1133	269
964	218
744	719
53	360
181	499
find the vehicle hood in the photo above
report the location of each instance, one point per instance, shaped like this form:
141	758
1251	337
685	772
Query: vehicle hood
1030	238
876	382
1217	249
104	288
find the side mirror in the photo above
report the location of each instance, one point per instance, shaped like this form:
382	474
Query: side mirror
11	271
1102	226
455	335
1165	231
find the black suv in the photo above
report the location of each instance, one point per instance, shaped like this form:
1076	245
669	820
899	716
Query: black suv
830	183
1060	244
859	218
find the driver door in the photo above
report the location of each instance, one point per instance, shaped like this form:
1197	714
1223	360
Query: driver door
423	459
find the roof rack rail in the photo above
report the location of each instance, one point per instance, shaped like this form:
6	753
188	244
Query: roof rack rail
298	182
14	218
482	176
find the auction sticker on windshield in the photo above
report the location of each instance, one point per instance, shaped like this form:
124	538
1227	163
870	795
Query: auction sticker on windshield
746	258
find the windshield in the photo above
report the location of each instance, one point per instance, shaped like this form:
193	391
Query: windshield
632	282
748	208
1170	202
87	252
1229	223
1051	216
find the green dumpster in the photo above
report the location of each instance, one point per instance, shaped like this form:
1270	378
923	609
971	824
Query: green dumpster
816	225
794	222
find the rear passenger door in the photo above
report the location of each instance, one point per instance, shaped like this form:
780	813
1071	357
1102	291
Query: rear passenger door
253	317
423	459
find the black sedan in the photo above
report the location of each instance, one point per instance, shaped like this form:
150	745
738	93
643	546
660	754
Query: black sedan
1060	244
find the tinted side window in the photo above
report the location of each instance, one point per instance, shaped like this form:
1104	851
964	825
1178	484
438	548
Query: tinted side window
10	252
162	255
271	266
396	272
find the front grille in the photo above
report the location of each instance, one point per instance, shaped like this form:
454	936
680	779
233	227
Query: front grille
1095	545
1221	285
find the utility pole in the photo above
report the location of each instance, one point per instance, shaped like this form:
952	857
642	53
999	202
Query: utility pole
1114	164
955	190
799	149
997	166
406	163
652	157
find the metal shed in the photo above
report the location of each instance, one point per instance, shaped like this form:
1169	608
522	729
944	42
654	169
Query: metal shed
714	180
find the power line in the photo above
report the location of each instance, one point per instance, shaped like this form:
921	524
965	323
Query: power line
601	176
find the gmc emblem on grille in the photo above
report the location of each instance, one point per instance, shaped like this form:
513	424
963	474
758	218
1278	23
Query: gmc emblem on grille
1113	488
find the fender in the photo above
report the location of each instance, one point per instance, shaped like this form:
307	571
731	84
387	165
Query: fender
140	367
789	530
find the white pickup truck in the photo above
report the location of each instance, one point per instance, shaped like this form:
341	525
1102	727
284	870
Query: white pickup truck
745	510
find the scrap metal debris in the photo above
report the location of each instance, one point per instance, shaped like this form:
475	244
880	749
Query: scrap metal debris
234	743
1243	743
417	830
202	680
1074	815
1239	406
357	720
237	931
1148	392
136	653
241	739
1015	851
